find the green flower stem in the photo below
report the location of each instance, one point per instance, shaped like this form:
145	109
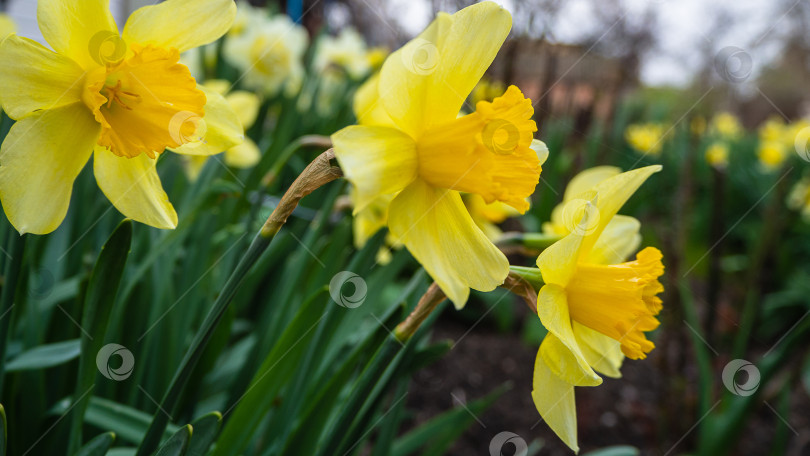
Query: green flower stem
538	241
317	174
11	276
530	275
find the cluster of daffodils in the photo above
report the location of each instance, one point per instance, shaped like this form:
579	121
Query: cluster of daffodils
438	177
647	138
777	141
441	181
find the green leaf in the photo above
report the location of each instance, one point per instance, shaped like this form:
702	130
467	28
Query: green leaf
205	433
621	450
275	371
177	445
436	436
122	452
45	356
98	446
127	423
98	304
4	434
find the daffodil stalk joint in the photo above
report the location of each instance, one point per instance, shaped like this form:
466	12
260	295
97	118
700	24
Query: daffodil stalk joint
427	304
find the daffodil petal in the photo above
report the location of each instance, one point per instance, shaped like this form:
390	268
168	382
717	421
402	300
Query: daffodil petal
558	262
554	400
603	353
180	24
618	241
560	349
222	129
437	229
587	180
426	82
245	105
611	194
84	31
132	185
376	160
243	155
368	106
39	160
540	148
35	78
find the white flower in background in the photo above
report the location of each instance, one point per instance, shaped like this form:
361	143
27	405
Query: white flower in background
269	52
347	51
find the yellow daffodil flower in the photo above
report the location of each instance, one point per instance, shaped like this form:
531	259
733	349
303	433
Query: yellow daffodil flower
717	155
645	138
412	144
595	306
121	98
799	198
7	26
269	53
376	57
726	125
246	106
347	51
771	154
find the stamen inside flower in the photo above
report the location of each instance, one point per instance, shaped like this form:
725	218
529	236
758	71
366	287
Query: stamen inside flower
487	152
145	103
620	300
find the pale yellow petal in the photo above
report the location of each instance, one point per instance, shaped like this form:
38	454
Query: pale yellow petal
376	160
554	400
602	352
368	106
540	148
132	185
587	180
560	349
618	241
39	160
193	166
426	82
558	262
437	229
34	78
84	30
220	127
245	105
612	193
180	24
244	155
